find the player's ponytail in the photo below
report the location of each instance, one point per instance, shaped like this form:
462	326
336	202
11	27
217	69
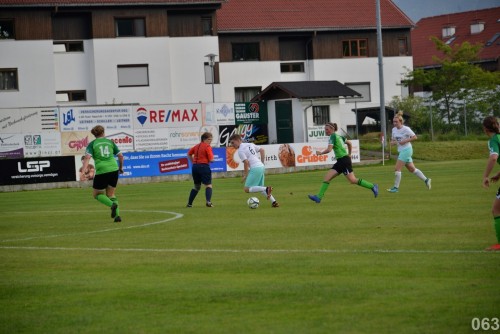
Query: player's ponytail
490	123
399	115
332	125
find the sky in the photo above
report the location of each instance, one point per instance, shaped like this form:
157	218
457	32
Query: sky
417	9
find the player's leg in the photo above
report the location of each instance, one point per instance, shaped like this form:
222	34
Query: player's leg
100	184
331	174
418	173
496	221
112	179
254	182
362	183
397	175
206	179
196	187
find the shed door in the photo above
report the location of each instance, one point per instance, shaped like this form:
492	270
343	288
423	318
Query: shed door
284	122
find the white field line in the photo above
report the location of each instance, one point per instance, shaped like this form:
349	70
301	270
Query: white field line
175	216
264	251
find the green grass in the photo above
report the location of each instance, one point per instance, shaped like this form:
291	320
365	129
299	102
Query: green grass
410	262
439	151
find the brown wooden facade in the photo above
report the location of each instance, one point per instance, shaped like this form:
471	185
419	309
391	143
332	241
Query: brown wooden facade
87	23
320	45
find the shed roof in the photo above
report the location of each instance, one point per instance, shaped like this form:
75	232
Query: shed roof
305	90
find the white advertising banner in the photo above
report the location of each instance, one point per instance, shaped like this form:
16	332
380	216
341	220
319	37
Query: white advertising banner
85	118
180	138
125	140
28	145
292	155
29	120
316	134
151	139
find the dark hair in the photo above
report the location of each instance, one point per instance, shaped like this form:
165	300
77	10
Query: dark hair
97	131
490	123
332	125
206	135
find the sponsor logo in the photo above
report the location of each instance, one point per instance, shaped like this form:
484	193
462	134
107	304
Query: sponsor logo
68	117
308	156
167	116
121	138
254	107
33	166
79	144
225	110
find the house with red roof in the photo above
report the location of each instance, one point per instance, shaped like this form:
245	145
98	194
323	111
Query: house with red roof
99	52
478	26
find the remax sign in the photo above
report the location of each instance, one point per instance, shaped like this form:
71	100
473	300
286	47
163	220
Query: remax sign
167	116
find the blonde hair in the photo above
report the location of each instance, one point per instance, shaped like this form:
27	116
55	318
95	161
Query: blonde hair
399	115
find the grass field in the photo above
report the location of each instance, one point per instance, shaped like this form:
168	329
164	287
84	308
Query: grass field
411	262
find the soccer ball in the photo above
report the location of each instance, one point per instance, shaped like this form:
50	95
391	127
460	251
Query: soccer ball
253	202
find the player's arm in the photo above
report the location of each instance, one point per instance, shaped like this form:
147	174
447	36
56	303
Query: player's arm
85	165
489	167
349	146
210	154
120	162
262	153
407	140
246	168
325	151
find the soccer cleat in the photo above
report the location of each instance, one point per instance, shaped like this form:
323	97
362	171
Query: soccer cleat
375	190
314	198
269	190
275	204
210	205
113	210
393	190
118	219
189	206
495	247
428	183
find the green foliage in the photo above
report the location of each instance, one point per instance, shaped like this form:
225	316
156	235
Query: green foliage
462	92
410	262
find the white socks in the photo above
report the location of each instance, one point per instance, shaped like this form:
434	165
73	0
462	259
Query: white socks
397	181
419	174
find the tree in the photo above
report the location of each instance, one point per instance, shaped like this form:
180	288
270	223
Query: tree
457	83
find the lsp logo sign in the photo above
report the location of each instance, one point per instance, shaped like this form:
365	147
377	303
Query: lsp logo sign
33	166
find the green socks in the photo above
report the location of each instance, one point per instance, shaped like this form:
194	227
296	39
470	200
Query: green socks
114	200
104	200
322	190
497	228
365	184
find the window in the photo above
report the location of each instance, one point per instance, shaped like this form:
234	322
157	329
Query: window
206	26
8	79
246	51
321	115
355	48
448	32
292	67
7	29
208	73
245	94
361	87
403	46
71	95
130	27
476	28
133	75
68	46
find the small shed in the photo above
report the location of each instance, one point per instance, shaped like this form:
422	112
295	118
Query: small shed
294	107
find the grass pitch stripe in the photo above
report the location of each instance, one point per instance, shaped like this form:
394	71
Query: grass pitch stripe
269	251
176	215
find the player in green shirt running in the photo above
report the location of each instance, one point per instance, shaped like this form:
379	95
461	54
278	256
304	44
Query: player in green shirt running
343	164
104	151
492	130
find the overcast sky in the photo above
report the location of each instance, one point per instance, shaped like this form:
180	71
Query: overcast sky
416	9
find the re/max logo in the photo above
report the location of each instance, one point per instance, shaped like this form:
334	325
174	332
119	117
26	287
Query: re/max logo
33	166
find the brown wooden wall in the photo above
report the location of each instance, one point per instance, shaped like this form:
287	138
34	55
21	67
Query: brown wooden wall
30	24
181	24
325	45
103	21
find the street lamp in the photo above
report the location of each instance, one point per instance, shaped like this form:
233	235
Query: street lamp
211	63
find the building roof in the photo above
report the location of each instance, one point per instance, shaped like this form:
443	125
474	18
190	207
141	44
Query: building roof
305	90
423	48
307	15
78	3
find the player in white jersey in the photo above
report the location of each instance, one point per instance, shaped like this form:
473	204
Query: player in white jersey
252	157
403	136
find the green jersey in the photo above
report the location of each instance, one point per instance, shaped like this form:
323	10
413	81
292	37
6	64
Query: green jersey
494	146
338	143
103	151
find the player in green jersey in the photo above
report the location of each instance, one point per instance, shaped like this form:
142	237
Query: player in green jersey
343	164
104	151
492	130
